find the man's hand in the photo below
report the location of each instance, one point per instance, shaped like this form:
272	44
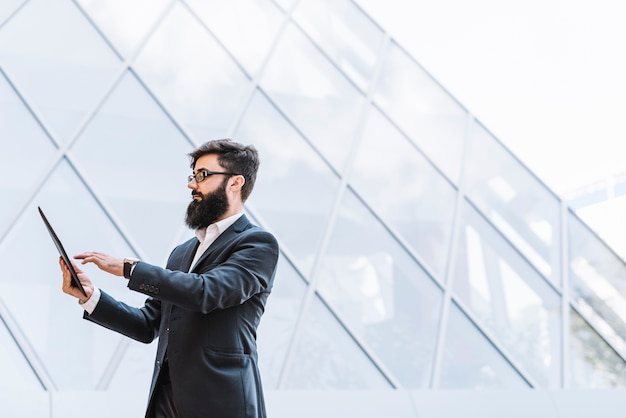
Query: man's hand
104	262
67	282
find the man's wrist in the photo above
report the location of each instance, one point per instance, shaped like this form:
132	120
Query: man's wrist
91	303
129	266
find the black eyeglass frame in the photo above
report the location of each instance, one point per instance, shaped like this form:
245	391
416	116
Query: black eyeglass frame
204	174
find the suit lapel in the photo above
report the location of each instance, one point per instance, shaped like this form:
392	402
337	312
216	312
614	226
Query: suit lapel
224	238
190	251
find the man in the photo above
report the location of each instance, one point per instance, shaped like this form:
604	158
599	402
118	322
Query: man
206	304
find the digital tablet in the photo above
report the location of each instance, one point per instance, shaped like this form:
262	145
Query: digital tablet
75	281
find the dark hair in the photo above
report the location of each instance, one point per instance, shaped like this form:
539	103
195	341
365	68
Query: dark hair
234	157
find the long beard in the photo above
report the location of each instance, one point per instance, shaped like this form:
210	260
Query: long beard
204	212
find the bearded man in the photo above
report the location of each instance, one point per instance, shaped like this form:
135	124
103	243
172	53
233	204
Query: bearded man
206	304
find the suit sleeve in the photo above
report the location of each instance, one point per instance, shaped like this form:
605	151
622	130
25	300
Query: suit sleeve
141	324
240	271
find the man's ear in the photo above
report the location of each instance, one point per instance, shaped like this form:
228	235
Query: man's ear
237	182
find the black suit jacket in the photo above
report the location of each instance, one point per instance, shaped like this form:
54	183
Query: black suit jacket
206	320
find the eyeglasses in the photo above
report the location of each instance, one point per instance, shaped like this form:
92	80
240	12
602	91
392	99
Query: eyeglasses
202	175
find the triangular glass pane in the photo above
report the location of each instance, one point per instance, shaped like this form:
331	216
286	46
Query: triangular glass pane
347	35
597	282
593	363
27	153
16	372
515	201
381	293
73	351
124	22
278	322
469	361
288	163
247	28
509	298
135	159
398	189
62	73
192	75
423	110
323	104
326	357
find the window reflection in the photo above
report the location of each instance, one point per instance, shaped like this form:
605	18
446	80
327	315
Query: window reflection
327	358
597	283
515	201
191	74
423	110
381	293
470	361
405	189
238	22
279	322
26	149
125	23
16	372
63	72
345	33
314	95
509	298
593	363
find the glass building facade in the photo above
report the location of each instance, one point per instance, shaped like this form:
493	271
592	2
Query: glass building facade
417	253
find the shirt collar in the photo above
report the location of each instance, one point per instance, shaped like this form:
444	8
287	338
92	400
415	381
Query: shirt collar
218	227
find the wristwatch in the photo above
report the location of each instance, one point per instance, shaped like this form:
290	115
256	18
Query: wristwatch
129	263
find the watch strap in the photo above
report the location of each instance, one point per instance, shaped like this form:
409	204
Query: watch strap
128	266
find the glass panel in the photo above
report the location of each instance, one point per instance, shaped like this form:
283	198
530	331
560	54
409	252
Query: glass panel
597	283
288	163
193	76
16	372
404	188
593	363
26	152
312	93
381	293
62	73
423	110
345	33
278	323
327	358
515	201
469	361
134	371
124	22
247	28
136	160
285	4
509	298
7	7
73	351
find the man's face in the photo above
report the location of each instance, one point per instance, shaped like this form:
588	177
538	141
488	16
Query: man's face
210	201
